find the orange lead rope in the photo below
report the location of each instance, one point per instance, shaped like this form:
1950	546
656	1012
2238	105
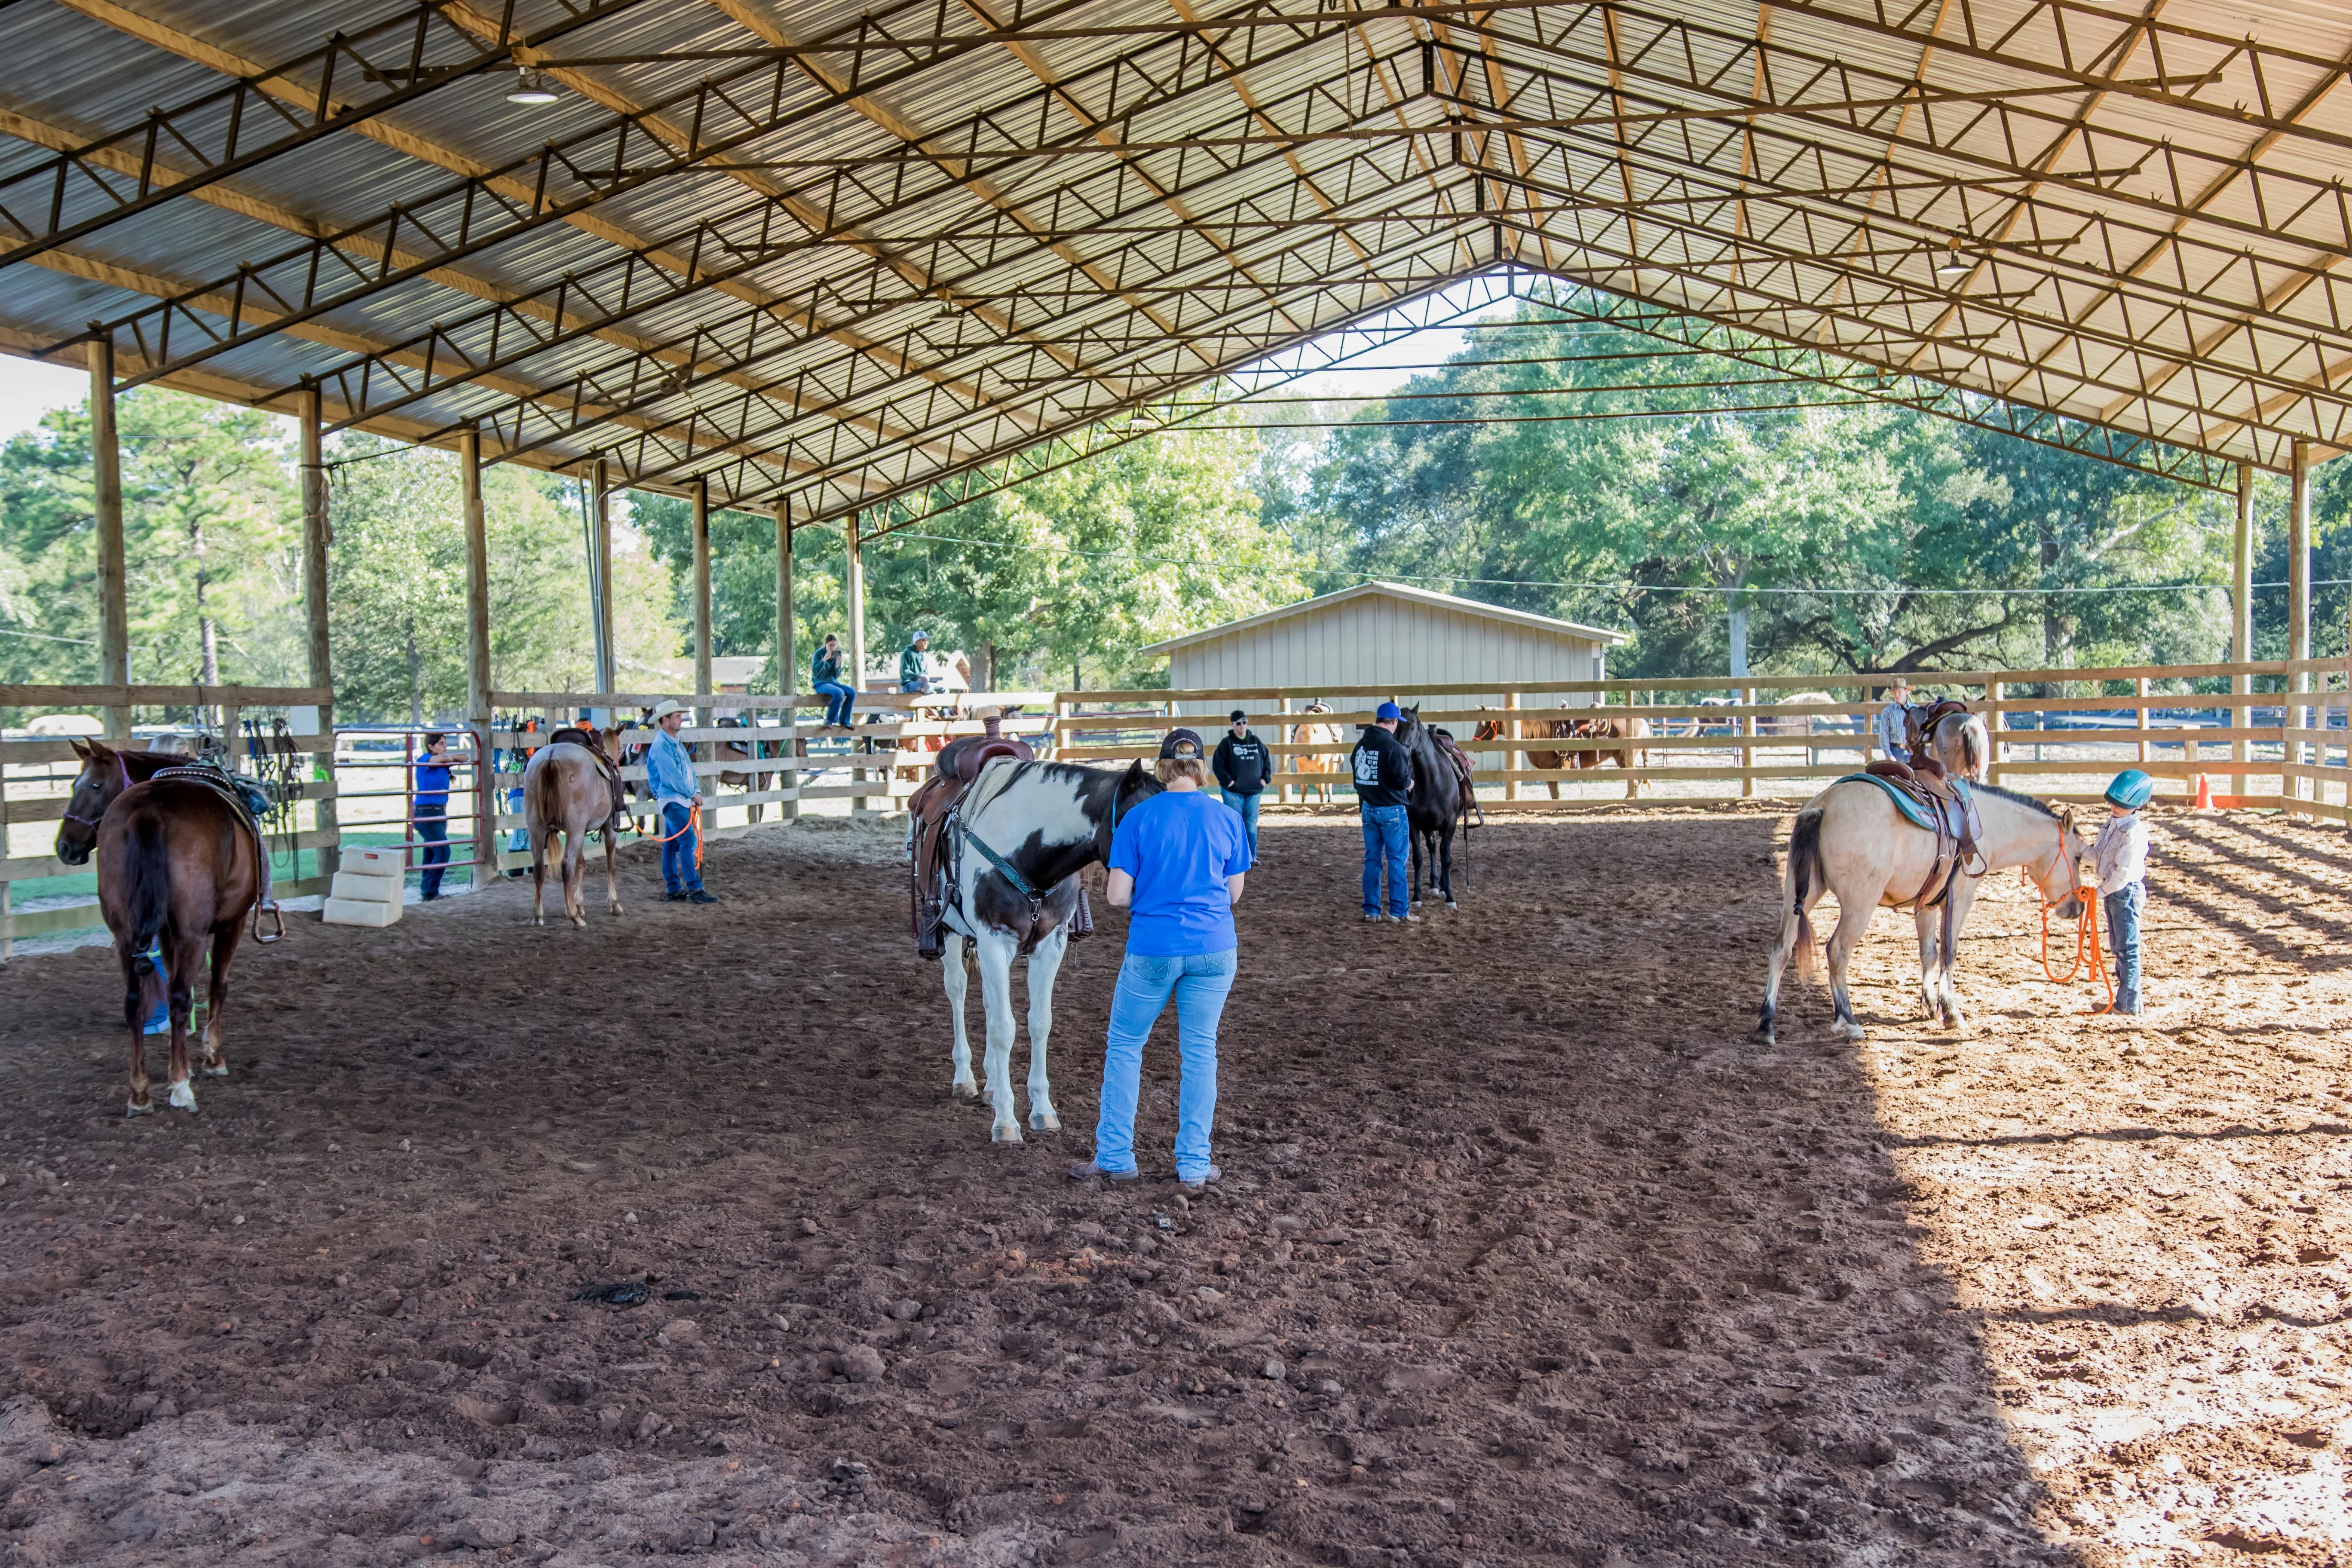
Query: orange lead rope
693	826
2087	948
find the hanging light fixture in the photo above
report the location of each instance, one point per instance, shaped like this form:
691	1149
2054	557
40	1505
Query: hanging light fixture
532	89
1954	264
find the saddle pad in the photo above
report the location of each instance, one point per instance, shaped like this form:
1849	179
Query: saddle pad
1913	812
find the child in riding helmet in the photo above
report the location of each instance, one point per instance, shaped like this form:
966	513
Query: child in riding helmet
2120	861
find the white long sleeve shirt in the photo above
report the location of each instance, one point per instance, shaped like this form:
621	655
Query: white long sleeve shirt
2120	857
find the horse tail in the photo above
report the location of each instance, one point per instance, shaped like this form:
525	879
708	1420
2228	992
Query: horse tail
1804	873
148	900
547	794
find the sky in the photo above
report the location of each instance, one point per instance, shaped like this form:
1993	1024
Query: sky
29	389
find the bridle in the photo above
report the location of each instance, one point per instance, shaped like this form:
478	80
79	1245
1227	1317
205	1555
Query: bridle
93	821
2087	948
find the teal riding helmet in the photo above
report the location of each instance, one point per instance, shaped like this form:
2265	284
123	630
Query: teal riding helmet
2131	790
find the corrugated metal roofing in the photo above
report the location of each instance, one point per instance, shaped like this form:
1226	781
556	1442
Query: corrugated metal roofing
832	254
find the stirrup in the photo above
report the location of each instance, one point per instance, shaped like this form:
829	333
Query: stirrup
927	933
275	913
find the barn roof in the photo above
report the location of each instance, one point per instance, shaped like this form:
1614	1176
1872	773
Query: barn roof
1425	598
847	255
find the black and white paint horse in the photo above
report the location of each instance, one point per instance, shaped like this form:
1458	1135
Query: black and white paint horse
1019	840
1432	806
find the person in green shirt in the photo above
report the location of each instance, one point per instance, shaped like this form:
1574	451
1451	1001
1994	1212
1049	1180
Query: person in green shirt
915	664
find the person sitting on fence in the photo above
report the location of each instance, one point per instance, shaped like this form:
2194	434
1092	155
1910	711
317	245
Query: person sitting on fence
1383	774
2120	859
1243	765
1893	728
915	665
824	680
669	776
430	815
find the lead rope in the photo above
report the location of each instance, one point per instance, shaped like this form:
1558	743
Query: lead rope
2087	948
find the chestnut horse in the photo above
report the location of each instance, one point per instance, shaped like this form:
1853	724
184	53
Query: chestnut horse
565	789
1606	728
175	861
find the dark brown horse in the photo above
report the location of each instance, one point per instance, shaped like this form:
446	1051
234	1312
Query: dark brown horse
1602	729
175	862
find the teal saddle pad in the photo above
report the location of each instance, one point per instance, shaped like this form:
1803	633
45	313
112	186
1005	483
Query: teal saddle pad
1913	812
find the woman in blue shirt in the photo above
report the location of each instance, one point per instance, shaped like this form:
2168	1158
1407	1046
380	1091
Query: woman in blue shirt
430	817
1177	861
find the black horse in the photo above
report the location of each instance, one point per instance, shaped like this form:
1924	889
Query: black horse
1432	804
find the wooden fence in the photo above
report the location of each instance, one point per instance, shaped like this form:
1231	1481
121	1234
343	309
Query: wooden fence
1753	747
37	774
1750	747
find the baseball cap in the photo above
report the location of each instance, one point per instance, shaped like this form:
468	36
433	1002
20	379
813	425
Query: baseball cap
1180	743
1239	716
1387	711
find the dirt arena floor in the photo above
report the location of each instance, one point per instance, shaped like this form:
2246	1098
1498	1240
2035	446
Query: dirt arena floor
1524	1252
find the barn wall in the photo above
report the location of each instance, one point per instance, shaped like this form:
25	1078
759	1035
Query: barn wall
1375	640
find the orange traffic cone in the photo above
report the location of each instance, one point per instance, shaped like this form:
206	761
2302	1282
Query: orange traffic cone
2204	793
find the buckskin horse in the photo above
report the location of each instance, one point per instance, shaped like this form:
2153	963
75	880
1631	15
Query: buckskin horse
178	861
1854	840
1331	760
569	786
1010	847
1954	738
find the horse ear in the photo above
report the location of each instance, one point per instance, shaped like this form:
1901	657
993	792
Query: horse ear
100	751
78	748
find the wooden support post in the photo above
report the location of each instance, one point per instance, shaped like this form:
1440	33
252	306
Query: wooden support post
477	653
1749	727
608	669
1289	736
702	668
1511	763
853	590
318	533
788	665
2298	597
106	504
1997	724
2141	718
2241	611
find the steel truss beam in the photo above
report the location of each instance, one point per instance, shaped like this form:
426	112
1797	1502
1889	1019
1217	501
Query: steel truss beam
350	79
733	245
918	424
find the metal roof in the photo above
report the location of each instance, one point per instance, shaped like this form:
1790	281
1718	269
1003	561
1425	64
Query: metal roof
1428	598
883	255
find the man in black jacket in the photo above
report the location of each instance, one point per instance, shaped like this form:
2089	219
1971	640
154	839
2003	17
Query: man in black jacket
1243	765
1383	773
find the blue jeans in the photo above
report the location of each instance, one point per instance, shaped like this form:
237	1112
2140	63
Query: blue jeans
1200	984
1247	805
2123	940
434	831
679	873
1385	840
838	695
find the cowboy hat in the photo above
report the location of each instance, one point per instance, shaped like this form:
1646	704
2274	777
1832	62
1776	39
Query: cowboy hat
663	709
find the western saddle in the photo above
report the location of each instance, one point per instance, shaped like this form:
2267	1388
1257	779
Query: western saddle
594	744
932	807
1919	721
1948	806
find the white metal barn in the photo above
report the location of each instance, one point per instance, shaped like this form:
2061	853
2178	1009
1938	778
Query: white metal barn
1389	635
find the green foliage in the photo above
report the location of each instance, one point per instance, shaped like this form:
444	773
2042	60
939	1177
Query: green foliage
1723	531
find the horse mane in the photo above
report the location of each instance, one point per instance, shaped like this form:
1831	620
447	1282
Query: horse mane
2016	797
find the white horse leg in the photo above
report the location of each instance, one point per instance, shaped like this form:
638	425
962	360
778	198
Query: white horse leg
612	877
996	949
575	874
1964	894
1043	964
955	978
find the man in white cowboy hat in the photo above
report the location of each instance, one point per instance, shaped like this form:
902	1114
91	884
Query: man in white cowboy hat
669	776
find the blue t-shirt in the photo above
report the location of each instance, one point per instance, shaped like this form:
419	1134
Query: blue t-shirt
432	789
1179	846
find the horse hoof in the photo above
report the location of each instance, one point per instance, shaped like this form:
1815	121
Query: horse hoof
580	921
1452	905
215	1069
1045	1122
1009	1133
184	1096
966	1090
135	1109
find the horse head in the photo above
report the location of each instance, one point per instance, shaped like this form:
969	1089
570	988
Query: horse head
2059	874
104	775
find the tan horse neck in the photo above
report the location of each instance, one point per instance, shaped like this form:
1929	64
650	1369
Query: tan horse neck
2017	833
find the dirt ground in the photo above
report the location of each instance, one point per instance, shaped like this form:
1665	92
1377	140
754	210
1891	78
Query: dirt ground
1524	1253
